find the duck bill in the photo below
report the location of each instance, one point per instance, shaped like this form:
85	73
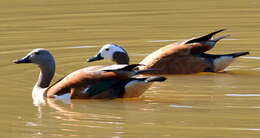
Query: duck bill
96	58
23	60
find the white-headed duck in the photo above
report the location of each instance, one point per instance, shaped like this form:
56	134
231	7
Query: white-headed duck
115	81
177	58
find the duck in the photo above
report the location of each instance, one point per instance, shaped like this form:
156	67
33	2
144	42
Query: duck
184	57
115	81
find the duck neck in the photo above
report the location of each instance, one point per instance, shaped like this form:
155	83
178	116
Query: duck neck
121	58
46	74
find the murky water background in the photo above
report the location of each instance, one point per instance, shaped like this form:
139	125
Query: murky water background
199	105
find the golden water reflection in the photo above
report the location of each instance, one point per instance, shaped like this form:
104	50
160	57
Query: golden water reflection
199	105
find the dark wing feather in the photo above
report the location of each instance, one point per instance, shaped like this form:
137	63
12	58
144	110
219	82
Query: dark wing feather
108	89
203	38
101	87
214	56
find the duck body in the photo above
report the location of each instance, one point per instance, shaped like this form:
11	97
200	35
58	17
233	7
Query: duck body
175	59
87	83
100	84
77	83
184	57
181	59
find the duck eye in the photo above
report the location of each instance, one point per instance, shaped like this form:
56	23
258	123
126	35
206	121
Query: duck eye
37	53
107	49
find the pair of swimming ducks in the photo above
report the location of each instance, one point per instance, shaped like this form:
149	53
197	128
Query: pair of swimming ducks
125	80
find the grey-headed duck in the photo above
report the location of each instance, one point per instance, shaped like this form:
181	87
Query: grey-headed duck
109	82
177	58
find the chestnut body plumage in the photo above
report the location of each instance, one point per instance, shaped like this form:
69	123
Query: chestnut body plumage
178	58
87	83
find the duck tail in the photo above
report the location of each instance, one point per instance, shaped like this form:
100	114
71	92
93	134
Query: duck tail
238	54
219	38
205	37
213	33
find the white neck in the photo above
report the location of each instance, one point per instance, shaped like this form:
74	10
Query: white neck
38	96
46	74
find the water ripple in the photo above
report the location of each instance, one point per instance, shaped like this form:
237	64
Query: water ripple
221	128
26	50
180	106
157	41
251	57
242	95
71	47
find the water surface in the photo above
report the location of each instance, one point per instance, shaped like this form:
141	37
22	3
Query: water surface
198	105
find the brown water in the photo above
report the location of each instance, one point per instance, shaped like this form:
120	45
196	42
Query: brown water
199	105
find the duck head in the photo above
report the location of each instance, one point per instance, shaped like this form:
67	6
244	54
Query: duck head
111	52
37	56
46	63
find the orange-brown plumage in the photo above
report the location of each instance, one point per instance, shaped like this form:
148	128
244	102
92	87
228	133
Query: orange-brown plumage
175	59
81	79
108	82
178	58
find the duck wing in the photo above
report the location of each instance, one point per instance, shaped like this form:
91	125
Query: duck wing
203	38
76	82
106	89
203	43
